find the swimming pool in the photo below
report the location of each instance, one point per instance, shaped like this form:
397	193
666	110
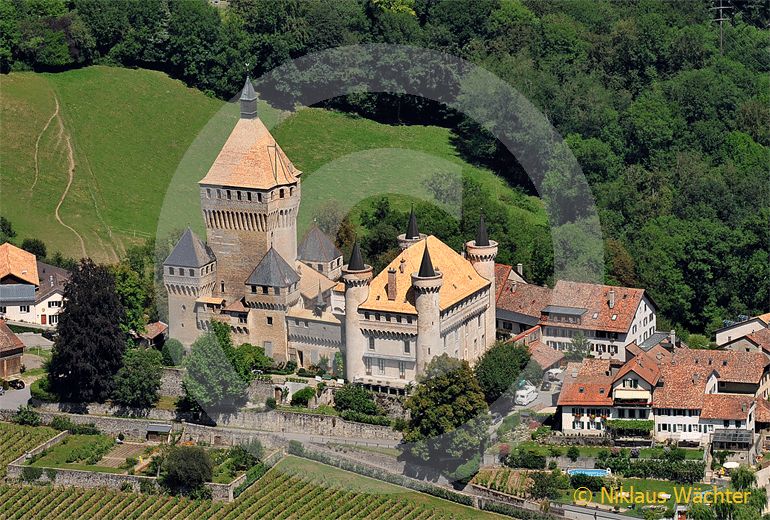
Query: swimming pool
589	472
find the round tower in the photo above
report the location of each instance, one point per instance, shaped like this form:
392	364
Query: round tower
426	285
481	253
356	276
412	235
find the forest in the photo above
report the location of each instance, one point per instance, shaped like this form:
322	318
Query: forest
668	119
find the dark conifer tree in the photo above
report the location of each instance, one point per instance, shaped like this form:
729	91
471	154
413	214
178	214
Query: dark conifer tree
89	348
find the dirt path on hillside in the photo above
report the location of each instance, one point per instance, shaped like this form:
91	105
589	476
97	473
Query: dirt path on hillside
71	177
37	143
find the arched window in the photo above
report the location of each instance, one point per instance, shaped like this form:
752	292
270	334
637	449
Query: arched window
222	285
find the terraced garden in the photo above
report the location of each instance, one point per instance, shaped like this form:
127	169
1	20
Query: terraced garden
15	440
505	480
282	493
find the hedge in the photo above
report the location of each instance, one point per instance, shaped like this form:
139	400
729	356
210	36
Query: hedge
630	426
352	415
684	471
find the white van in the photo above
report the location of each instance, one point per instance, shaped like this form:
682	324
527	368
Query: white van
526	395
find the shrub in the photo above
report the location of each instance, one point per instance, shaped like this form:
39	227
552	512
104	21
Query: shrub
350	415
31	473
126	487
528	459
246	455
147	487
172	352
552	465
91	452
252	475
540	432
121	436
130	463
50	473
185	469
296	448
4	384
588	481
302	397
41	390
554	451
355	398
270	403
573	453
85	429
26	415
61	423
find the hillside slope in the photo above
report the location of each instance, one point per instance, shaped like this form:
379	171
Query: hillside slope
127	147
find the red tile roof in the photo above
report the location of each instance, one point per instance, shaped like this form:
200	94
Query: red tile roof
726	406
524	298
761	339
643	365
587	384
545	356
8	340
153	330
763	411
594	298
501	276
18	263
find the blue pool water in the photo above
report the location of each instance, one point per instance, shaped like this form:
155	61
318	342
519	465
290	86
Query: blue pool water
589	472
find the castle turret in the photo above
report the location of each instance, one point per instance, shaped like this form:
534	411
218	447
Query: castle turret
356	276
189	273
248	100
426	285
481	253
412	235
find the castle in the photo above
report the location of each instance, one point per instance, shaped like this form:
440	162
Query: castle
302	303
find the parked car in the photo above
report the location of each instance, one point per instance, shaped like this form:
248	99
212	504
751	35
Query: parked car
16	384
526	395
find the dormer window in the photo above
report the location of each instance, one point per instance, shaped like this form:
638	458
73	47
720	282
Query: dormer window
595	315
581	389
614	317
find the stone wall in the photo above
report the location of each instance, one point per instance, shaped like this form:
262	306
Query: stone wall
219	436
171	382
259	391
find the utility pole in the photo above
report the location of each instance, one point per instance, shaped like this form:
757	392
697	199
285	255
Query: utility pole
720	18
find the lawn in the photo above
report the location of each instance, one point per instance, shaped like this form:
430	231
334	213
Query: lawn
331	477
79	452
141	141
659	453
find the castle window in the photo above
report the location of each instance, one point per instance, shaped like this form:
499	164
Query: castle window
277	290
407	346
239	195
402	370
170	270
219	194
264	289
191	272
320	268
229	195
368	365
208	193
222	285
381	366
241	318
259	197
269	320
253	289
281	193
248	196
371	342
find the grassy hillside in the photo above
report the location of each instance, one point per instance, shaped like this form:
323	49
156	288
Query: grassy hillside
127	147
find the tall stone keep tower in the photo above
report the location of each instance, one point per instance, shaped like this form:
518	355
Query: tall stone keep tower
188	274
481	253
426	285
250	198
356	276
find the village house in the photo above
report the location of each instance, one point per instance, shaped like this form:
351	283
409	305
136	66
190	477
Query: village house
30	291
609	317
734	330
11	351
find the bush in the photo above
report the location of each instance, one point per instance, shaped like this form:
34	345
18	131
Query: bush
26	415
356	399
185	469
554	451
528	459
350	415
147	487
552	465
296	448
130	463
126	487
270	403
61	423
578	480
31	473
172	352
121	436
302	397
246	455
41	390
683	471
252	475
573	453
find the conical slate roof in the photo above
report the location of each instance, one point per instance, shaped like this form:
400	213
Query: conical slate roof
356	262
190	251
273	271
426	266
482	238
411	230
248	93
317	247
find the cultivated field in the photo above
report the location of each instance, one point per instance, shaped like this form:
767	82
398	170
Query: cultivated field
280	494
93	159
16	440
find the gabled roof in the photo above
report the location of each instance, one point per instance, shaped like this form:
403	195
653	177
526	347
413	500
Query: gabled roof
251	158
726	406
594	299
155	329
545	356
311	280
52	280
460	279
764	318
8	340
760	338
587	384
190	251
526	299
317	247
273	271
18	263
642	365
763	411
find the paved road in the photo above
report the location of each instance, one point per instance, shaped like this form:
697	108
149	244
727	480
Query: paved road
12	399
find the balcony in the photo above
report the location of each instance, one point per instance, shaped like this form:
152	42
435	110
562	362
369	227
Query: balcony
632	396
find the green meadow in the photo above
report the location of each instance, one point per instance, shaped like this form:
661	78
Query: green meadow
121	158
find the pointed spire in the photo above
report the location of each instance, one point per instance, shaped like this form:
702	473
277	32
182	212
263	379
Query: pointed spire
248	100
356	262
319	299
426	266
411	230
482	238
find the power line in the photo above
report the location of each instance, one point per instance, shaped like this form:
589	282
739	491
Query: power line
720	18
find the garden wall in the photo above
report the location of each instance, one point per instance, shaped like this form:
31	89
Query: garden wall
171	382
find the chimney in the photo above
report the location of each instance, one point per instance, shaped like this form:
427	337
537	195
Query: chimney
513	287
50	279
391	284
520	269
743	407
612	299
402	266
672	337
